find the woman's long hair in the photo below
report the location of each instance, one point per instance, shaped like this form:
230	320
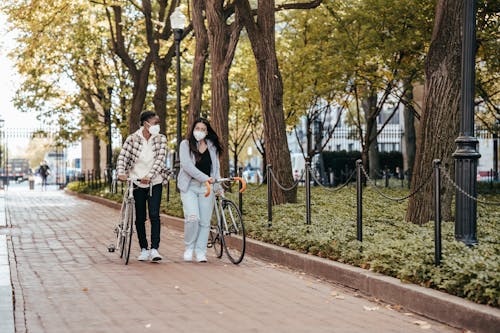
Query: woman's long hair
211	135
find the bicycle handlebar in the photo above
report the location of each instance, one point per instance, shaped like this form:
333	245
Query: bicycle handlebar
229	179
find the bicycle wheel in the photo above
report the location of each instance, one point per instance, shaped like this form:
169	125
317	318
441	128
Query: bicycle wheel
233	235
128	230
215	241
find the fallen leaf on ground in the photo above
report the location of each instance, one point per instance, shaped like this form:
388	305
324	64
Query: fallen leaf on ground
422	324
85	289
370	308
339	297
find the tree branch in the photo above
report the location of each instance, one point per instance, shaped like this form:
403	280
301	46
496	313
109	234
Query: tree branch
305	5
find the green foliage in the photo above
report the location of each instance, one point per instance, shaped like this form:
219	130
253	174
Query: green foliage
338	160
390	245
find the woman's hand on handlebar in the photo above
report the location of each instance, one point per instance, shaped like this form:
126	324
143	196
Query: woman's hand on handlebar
211	180
122	178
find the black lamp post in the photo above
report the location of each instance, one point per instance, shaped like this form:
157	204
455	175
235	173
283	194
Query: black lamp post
466	155
495	149
109	150
177	21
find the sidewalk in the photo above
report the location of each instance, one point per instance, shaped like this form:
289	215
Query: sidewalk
64	280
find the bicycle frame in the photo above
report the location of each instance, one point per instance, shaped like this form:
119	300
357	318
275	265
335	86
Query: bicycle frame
229	222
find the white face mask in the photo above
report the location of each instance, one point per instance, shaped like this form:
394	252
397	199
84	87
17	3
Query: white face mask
199	135
154	129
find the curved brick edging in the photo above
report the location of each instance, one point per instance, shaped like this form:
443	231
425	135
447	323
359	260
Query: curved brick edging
431	303
6	293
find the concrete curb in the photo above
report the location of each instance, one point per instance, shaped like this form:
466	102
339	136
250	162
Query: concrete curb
6	295
430	303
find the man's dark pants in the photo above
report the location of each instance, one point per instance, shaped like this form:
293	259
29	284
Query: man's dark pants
142	196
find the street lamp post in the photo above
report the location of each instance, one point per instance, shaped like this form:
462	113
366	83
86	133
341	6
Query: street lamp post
466	155
495	149
177	21
109	151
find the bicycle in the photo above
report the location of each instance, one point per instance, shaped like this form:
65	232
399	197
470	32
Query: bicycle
125	227
227	233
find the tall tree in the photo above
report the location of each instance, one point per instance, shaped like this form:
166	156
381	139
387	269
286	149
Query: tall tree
223	37
440	119
200	58
261	32
138	71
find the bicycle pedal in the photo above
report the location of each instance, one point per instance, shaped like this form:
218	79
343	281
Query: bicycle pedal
111	248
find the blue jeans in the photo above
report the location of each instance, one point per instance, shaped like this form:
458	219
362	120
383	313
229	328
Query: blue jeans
141	196
197	214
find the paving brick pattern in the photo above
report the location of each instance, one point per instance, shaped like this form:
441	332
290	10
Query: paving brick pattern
65	280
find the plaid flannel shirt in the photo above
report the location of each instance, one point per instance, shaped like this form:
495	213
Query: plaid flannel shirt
131	150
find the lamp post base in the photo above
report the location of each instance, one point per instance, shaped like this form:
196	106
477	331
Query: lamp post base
466	157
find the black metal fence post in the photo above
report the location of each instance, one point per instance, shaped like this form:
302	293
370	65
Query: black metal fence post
437	212
308	193
240	195
386	176
359	201
269	197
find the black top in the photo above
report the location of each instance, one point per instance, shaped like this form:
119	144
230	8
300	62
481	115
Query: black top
44	170
205	163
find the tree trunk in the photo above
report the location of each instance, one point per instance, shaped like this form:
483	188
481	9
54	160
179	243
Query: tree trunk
410	136
262	39
200	58
140	76
139	93
440	118
160	96
222	41
371	144
97	154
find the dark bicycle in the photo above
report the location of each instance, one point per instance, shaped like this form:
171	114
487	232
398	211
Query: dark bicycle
227	232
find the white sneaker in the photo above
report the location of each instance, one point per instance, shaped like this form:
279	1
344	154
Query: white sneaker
155	256
144	255
201	258
188	255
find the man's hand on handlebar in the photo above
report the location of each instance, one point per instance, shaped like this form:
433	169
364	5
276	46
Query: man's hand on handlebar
122	178
145	181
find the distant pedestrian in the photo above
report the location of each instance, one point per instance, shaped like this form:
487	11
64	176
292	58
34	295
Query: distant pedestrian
296	175
142	159
44	172
199	158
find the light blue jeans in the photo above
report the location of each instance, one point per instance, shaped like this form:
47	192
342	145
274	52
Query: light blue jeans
197	214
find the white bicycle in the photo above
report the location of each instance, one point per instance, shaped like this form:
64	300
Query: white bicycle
125	227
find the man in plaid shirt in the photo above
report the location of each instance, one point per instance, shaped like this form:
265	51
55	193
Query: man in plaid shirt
142	159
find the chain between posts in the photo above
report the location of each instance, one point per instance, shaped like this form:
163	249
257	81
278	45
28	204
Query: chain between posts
429	177
336	188
281	186
452	182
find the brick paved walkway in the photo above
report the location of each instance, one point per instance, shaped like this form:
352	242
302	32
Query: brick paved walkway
64	280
